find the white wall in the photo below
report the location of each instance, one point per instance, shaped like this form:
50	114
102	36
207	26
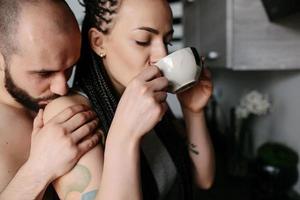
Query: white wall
77	9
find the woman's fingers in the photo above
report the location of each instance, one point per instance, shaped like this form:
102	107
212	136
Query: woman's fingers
160	97
164	107
149	73
159	84
205	74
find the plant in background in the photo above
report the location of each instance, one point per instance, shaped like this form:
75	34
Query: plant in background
252	103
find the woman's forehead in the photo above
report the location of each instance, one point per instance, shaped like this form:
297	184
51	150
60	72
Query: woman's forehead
137	12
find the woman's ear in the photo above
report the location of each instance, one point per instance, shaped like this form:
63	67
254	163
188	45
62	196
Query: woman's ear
97	42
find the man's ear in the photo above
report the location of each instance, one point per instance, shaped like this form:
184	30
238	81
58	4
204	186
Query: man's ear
96	39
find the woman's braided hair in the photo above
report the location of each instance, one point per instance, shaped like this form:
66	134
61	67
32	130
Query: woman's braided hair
100	12
91	76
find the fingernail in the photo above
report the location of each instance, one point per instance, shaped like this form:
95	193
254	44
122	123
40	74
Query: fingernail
91	144
100	132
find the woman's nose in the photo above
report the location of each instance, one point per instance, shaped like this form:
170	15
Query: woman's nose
158	53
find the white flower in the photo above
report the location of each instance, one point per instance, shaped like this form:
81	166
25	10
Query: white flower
252	103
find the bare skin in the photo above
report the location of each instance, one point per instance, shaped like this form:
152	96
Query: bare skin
33	152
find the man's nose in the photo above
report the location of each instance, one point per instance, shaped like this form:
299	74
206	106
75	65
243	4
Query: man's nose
59	85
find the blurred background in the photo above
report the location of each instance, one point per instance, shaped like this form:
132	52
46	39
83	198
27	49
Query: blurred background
253	50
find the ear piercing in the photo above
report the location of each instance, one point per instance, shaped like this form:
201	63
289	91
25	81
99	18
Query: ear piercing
102	55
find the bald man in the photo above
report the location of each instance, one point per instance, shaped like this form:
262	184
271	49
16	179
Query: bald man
39	45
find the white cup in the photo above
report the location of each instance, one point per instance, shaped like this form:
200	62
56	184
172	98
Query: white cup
181	68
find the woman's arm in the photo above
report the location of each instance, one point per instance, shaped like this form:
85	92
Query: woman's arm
200	148
83	181
201	151
142	105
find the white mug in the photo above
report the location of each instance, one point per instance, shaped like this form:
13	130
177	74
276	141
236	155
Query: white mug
181	68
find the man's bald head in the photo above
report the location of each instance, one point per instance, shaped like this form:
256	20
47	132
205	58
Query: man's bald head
57	12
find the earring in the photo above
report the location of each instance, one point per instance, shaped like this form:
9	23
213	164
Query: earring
102	55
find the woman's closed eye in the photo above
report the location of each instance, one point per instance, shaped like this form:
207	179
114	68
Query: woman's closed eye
143	43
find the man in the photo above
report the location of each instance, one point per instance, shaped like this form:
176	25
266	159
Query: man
39	44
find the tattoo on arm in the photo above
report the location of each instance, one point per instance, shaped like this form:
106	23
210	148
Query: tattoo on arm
89	195
193	148
81	180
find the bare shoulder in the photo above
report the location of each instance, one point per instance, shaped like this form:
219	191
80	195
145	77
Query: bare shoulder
15	125
10	115
58	105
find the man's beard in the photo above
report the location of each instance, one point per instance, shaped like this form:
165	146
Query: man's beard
22	96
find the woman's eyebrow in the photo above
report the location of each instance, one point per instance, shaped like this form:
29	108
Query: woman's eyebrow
152	30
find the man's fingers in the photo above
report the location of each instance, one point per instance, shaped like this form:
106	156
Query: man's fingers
89	143
68	113
79	120
38	121
84	130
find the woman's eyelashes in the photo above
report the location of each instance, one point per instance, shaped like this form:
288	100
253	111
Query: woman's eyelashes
168	43
143	43
148	43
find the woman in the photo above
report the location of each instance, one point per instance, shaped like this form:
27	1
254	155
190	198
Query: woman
145	156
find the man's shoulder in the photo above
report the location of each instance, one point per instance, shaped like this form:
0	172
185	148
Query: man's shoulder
11	117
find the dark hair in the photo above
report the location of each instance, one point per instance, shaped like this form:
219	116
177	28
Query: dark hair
91	77
100	12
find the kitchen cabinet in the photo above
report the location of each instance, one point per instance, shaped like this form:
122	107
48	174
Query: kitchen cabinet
237	34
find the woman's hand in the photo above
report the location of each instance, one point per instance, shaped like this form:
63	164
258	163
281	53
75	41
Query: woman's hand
142	104
196	98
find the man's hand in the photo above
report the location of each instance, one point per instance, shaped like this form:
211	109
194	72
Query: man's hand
57	145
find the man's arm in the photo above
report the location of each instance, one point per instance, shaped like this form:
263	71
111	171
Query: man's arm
25	184
53	152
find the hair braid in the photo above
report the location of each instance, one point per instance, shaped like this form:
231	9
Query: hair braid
92	78
100	12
